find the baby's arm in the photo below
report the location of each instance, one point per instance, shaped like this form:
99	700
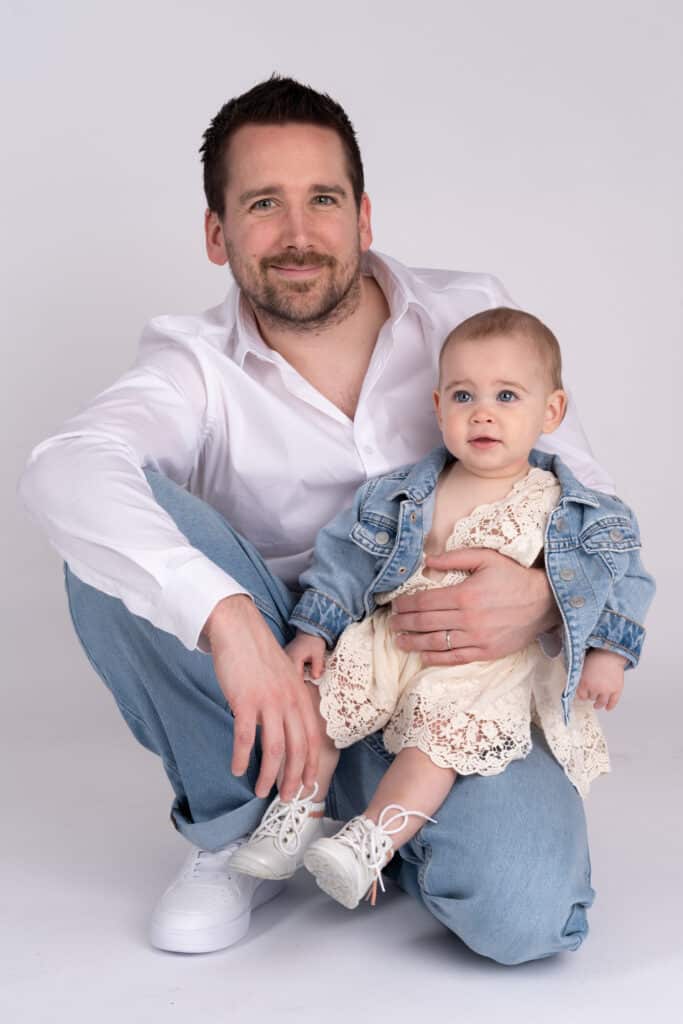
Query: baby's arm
602	678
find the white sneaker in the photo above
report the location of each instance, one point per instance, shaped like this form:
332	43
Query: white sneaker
349	864
207	906
276	847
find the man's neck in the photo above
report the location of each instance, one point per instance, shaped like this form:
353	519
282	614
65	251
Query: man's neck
334	358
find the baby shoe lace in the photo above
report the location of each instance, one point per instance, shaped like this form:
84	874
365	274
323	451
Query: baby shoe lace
373	841
285	821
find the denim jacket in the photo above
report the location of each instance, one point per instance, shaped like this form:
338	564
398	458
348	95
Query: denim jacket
591	550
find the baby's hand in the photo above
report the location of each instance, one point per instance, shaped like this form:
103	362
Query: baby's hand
305	649
602	678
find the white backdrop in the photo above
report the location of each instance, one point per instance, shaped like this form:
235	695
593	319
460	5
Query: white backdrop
538	141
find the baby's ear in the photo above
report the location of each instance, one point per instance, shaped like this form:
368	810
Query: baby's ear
555	409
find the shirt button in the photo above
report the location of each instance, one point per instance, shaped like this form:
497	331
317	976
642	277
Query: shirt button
402	569
382	537
413	517
560	524
577	602
368	449
567	574
616	535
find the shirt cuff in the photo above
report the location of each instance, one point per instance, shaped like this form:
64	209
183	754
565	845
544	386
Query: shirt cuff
190	595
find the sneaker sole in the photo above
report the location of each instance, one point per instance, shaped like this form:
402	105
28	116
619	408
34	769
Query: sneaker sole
333	877
209	940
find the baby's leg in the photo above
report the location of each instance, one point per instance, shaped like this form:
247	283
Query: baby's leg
415	783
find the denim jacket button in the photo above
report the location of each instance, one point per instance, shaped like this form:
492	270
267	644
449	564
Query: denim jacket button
567	574
560	524
382	537
616	534
413	517
577	602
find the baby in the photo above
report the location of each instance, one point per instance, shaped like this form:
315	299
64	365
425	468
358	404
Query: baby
499	388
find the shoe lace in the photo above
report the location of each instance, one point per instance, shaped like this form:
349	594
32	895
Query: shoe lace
373	841
210	865
286	819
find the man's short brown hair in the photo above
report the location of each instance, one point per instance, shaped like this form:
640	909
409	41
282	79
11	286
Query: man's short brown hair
278	100
503	320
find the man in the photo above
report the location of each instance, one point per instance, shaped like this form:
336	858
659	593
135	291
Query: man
185	501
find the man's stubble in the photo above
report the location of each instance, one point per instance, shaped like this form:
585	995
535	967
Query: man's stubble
277	304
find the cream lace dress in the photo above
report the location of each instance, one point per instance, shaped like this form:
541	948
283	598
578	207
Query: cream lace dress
473	718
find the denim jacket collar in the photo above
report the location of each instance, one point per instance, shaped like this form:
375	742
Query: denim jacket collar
421	479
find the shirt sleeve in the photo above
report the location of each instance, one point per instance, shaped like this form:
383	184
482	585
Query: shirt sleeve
569	441
87	488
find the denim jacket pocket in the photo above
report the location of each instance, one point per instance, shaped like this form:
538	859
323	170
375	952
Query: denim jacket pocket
612	538
376	534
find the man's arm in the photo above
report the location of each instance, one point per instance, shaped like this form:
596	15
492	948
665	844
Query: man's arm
87	488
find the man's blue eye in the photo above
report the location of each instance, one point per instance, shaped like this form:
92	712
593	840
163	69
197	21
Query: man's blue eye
462	396
324	200
506	396
260	204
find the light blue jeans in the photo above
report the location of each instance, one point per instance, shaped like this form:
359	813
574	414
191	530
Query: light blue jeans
506	868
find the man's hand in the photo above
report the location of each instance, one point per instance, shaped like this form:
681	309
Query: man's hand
263	688
500	609
602	678
305	649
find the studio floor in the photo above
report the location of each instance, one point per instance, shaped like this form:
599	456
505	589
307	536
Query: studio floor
89	848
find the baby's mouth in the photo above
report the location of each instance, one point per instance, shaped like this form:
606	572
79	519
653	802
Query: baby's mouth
484	441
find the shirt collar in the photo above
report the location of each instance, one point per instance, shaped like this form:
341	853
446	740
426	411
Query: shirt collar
394	280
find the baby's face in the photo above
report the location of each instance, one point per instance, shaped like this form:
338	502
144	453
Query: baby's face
495	397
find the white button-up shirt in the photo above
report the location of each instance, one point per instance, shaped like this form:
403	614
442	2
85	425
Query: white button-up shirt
211	406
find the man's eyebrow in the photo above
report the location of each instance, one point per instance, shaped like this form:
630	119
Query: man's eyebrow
335	190
277	190
254	193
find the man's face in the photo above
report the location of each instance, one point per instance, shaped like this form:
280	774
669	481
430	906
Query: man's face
292	232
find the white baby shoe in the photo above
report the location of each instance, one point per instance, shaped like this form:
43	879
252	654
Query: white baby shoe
348	865
208	905
276	848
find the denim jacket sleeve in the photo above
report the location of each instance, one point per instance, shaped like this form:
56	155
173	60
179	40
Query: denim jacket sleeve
336	583
620	625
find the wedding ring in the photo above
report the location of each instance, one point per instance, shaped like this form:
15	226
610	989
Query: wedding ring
448	640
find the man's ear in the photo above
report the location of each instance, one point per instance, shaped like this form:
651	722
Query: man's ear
215	241
555	408
365	223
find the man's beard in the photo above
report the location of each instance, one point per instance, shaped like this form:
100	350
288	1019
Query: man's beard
282	303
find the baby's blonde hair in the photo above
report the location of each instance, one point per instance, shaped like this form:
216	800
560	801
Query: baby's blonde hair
503	320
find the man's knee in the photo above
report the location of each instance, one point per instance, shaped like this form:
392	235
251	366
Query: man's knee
512	930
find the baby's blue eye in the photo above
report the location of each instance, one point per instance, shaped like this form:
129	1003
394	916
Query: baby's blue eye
506	396
462	396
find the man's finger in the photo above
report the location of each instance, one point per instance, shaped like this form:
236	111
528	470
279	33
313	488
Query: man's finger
465	559
295	755
434	599
272	751
612	702
244	734
462	656
425	622
313	741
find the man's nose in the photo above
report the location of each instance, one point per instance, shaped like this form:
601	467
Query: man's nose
295	225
